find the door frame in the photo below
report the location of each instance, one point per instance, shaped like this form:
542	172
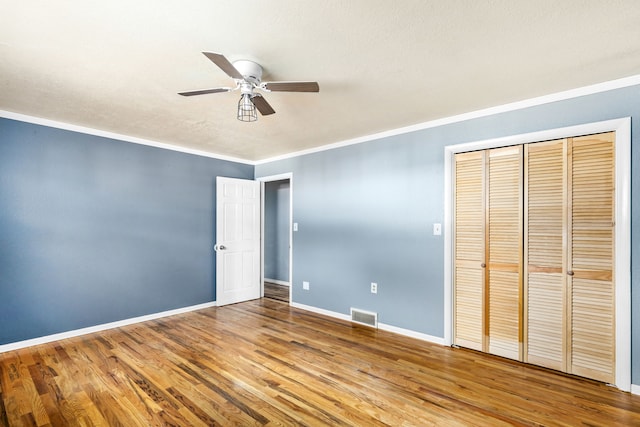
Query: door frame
622	259
263	180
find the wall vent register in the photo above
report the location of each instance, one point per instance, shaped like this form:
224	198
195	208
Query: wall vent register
364	317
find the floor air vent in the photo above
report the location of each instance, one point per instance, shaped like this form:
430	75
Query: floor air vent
364	317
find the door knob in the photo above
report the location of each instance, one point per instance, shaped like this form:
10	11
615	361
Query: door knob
570	273
483	265
219	248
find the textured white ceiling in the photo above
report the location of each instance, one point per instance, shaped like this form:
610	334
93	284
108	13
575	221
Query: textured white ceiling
117	66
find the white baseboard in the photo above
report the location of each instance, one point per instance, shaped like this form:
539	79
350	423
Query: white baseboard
322	311
410	333
91	329
277	282
381	326
635	389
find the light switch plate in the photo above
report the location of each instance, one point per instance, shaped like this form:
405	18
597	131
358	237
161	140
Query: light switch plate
437	229
295	226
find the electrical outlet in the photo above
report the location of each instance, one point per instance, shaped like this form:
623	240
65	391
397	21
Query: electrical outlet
305	286
374	288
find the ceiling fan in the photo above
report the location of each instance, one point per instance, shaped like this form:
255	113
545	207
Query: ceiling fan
247	76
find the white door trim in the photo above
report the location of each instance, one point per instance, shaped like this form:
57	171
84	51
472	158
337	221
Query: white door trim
263	180
622	261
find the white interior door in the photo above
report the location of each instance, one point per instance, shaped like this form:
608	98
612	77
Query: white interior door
237	240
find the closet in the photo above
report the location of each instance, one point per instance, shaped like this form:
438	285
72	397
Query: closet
533	253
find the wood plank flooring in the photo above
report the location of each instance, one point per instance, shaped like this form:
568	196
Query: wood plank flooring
275	291
265	363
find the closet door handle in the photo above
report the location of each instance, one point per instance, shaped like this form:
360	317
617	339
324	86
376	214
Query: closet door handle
483	265
570	273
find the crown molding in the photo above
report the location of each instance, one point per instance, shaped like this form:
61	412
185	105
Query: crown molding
546	99
117	136
513	106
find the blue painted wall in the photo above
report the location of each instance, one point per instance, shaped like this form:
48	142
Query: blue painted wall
365	213
276	230
94	230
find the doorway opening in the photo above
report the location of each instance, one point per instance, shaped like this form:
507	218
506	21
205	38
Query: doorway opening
276	237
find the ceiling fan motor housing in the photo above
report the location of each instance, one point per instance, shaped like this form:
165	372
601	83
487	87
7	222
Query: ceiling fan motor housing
251	71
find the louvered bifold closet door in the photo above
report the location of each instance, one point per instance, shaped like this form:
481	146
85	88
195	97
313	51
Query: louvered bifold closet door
545	254
469	242
504	263
591	231
569	277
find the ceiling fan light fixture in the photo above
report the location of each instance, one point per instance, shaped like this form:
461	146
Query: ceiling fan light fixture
246	109
247	76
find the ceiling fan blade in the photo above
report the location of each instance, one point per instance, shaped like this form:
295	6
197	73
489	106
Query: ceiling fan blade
224	64
262	105
205	91
292	86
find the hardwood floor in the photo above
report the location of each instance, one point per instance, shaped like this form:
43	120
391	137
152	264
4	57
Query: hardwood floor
265	363
275	291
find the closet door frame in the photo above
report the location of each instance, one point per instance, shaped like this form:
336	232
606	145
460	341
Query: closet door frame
622	261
